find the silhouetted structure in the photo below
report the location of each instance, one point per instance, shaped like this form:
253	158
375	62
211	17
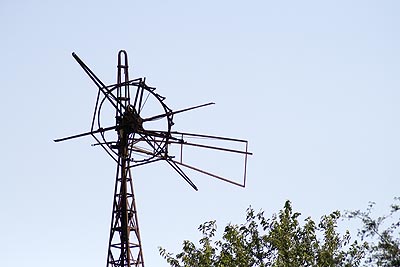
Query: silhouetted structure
135	145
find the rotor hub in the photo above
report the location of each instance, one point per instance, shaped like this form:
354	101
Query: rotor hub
131	122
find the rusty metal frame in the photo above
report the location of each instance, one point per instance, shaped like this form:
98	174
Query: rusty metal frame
133	140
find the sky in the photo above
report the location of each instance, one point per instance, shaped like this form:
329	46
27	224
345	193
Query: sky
312	85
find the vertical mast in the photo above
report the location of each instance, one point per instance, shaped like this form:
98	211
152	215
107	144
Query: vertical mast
125	248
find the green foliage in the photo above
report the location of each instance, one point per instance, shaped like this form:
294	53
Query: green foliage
281	241
382	234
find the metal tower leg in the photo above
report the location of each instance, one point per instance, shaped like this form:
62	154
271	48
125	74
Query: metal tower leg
125	248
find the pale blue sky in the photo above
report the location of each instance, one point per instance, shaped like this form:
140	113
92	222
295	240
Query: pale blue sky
313	85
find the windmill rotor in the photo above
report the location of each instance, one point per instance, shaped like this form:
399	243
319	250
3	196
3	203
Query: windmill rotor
133	123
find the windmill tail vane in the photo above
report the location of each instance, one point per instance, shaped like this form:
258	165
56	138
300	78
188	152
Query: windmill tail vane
141	133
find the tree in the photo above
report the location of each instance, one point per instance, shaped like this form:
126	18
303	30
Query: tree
280	241
381	233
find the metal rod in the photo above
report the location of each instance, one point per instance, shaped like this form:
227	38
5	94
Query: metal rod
182	150
175	112
181	173
100	130
210	136
209	173
96	80
245	167
213	147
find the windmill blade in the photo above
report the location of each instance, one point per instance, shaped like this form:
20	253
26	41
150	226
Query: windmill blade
212	174
209	136
212	147
100	130
160	116
102	87
181	173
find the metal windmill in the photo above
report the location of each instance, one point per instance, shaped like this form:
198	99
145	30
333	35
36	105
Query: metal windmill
137	138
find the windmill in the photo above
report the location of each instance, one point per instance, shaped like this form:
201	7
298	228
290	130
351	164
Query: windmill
138	136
